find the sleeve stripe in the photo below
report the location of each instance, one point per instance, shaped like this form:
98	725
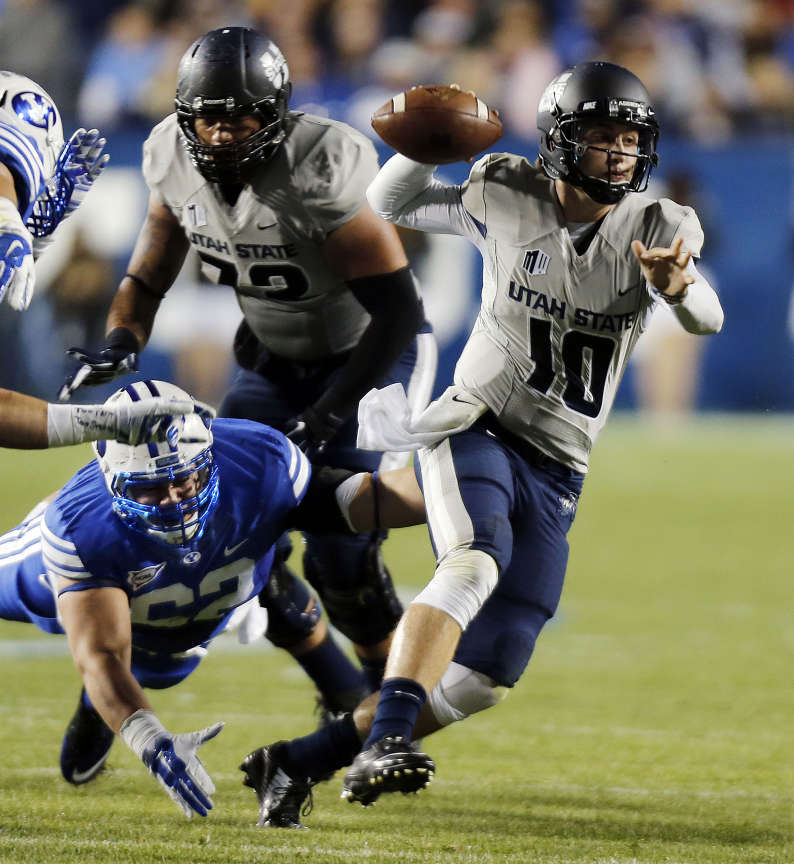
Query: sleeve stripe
66	562
26	157
66	546
15	540
293	452
54	570
33	549
300	482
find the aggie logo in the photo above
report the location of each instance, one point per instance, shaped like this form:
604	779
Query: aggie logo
536	262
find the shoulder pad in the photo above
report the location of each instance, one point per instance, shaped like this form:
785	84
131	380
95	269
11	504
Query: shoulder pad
160	150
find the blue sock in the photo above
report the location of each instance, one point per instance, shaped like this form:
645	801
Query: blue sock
326	750
401	700
341	684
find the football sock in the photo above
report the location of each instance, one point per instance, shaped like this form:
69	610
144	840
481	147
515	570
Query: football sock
340	683
326	750
373	672
401	700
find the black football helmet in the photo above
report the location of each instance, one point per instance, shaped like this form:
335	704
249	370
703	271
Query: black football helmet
232	71
595	91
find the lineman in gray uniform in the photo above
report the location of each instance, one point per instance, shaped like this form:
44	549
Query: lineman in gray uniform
274	203
574	259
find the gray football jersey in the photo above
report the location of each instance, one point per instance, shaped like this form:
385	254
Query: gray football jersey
268	246
555	328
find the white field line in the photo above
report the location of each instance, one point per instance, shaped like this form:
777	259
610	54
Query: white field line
577	788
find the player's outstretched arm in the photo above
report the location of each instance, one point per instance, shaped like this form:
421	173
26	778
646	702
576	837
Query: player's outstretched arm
97	624
156	260
28	423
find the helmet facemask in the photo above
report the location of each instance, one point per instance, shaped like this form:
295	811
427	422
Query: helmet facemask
175	524
568	137
234	162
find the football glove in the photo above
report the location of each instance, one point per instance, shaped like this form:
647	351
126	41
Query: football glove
311	430
85	162
17	278
128	422
173	760
79	164
118	356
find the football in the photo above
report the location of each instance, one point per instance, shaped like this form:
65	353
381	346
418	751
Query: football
437	125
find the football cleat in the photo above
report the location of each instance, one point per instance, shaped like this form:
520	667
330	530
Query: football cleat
86	745
282	799
393	764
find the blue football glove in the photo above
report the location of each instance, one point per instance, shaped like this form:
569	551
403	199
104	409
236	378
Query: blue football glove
117	357
16	258
173	760
85	162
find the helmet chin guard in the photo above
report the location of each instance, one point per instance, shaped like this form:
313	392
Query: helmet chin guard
592	92
185	459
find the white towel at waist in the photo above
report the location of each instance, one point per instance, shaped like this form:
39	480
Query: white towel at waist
385	422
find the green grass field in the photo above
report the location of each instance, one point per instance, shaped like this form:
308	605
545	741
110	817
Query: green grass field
654	723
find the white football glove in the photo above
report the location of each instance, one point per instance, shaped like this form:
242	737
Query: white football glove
131	423
17	278
172	759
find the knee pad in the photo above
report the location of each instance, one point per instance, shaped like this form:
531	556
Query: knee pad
463	581
356	590
462	692
291	611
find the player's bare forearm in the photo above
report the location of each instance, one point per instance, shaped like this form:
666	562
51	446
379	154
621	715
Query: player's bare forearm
7	187
156	260
23	421
399	501
97	624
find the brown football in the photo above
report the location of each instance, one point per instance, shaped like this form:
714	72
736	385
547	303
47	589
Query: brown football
437	124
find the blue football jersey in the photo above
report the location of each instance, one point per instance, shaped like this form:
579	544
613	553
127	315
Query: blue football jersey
179	600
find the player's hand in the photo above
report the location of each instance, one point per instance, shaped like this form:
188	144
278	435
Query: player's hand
311	430
16	258
665	268
83	164
173	759
152	419
174	762
117	357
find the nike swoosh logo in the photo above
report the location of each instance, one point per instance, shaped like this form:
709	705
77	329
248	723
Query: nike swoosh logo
230	550
265	227
623	293
79	777
457	398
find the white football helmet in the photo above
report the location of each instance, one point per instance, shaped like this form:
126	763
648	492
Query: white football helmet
140	476
31	133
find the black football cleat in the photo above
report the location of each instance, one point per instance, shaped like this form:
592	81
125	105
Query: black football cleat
282	799
86	745
392	764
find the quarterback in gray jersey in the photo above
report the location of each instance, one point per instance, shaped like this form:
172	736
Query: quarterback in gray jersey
574	259
273	202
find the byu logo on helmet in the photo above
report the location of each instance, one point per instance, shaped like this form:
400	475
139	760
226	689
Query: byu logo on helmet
33	108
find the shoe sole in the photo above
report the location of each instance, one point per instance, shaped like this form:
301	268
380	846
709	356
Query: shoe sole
396	778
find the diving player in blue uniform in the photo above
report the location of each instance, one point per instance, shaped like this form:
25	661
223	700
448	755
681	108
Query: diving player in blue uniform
146	554
42	181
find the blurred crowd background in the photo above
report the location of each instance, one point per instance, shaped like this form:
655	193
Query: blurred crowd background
720	72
